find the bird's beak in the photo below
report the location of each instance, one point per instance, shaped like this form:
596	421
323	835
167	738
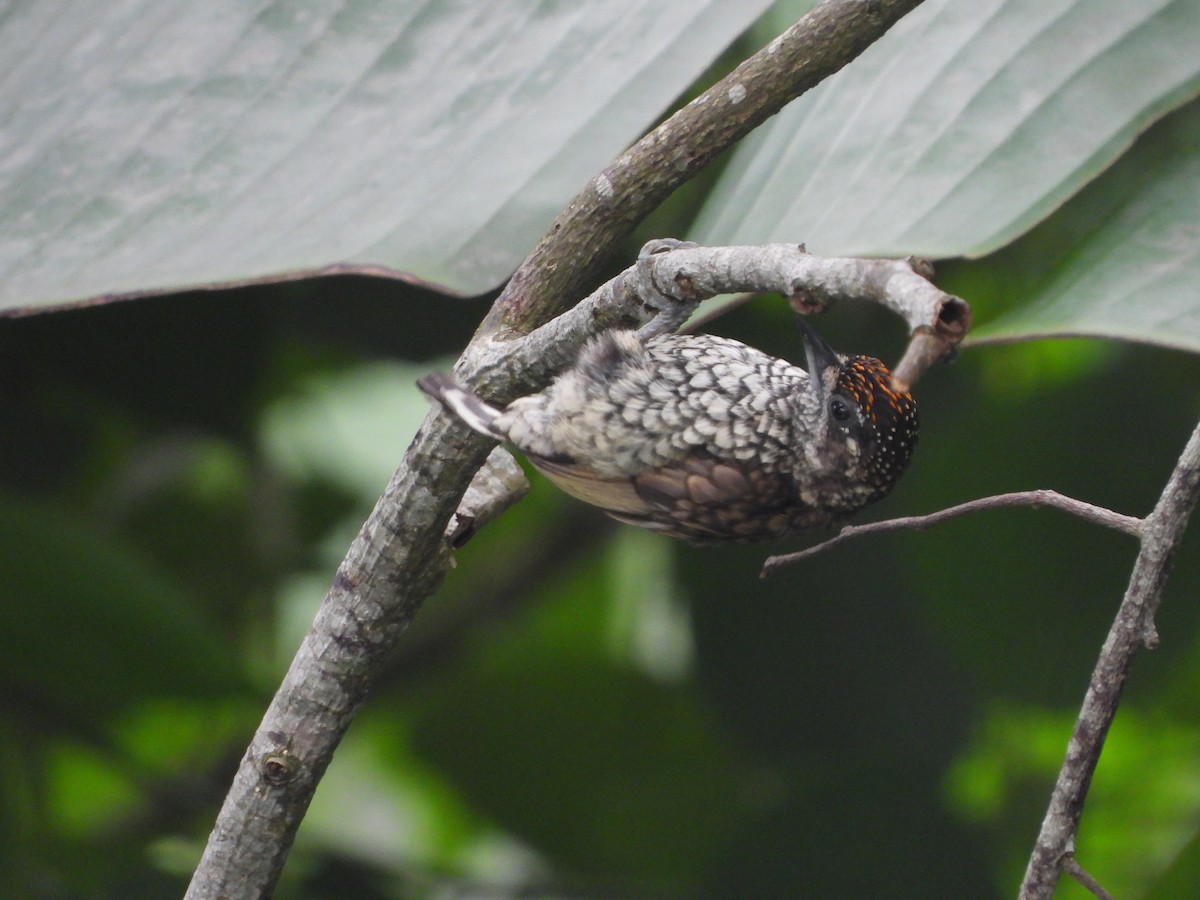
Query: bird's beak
819	355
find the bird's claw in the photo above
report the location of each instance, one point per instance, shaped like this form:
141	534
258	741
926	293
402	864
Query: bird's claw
669	311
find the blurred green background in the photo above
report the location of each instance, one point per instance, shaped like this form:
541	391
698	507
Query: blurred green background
583	707
585	710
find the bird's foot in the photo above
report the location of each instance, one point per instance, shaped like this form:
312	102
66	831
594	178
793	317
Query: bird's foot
670	311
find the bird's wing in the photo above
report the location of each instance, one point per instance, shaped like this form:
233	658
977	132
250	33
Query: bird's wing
613	495
698	498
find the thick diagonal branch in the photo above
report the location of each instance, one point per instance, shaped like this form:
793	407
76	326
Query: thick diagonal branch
401	554
1095	514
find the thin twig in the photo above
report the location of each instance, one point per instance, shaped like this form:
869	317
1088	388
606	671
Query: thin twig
1161	534
1087	511
1072	867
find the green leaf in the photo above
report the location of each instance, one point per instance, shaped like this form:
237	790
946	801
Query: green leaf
1122	259
87	627
966	125
160	144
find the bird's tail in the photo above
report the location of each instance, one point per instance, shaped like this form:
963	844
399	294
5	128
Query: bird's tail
474	411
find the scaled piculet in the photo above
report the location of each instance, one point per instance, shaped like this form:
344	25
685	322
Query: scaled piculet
706	439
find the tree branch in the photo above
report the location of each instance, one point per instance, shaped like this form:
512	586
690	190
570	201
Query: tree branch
497	486
1160	535
1095	514
1076	871
401	555
1162	532
682	275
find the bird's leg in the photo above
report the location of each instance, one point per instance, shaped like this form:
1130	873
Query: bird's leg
670	311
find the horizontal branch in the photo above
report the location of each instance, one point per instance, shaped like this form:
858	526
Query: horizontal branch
684	275
1096	514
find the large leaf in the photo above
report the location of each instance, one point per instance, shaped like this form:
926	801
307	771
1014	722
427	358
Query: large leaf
156	144
964	126
969	124
1123	258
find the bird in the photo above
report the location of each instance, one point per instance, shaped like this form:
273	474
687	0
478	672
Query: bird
707	439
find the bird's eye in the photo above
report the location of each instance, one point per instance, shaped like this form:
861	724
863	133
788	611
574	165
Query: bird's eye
839	409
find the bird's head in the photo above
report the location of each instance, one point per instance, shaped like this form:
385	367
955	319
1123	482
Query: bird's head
865	426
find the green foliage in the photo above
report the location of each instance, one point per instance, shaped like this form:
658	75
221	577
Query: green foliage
1148	763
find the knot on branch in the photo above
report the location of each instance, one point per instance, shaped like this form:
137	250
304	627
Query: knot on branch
279	767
